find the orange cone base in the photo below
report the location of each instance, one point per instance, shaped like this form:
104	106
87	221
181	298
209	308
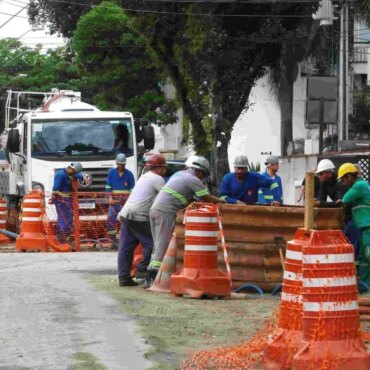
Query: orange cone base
162	282
279	353
197	283
347	354
31	241
4	239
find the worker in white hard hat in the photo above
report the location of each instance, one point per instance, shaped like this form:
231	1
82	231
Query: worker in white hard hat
329	185
241	186
62	198
120	182
182	188
265	195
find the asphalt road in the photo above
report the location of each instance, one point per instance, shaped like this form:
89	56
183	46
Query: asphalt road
50	314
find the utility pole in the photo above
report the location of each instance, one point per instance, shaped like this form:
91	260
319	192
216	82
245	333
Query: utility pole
343	75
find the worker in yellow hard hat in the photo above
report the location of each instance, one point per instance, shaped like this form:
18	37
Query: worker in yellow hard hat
358	197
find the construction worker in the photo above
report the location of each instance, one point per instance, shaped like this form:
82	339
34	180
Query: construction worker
303	186
179	191
329	185
358	197
135	225
241	186
62	198
120	182
265	195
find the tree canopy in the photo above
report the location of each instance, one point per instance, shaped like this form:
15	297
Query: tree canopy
213	53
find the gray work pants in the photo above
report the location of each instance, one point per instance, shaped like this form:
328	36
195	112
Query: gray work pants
162	225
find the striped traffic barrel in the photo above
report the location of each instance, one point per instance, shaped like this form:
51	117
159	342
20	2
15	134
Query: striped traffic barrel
284	342
32	236
331	327
3	215
200	275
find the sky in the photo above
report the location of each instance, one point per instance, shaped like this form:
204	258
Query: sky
18	27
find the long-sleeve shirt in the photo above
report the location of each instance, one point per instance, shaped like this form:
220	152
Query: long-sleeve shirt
117	185
246	190
358	196
333	189
63	183
265	195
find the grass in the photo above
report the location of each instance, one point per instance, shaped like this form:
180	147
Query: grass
176	327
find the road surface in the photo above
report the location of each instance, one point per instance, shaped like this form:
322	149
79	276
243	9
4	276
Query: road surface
52	318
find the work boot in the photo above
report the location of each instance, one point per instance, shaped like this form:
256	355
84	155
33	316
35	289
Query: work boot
127	282
149	279
140	277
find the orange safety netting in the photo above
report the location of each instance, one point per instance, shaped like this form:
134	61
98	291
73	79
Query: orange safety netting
83	218
244	356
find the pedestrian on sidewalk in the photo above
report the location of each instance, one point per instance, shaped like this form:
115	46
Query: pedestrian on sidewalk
135	225
181	189
120	182
358	197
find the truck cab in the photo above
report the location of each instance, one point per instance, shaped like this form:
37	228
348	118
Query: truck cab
64	130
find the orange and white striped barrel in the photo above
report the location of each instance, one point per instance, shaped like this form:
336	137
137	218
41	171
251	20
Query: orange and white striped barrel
285	341
201	238
32	213
32	234
3	214
200	275
331	326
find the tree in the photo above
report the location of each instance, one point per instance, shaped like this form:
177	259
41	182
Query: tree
118	65
213	53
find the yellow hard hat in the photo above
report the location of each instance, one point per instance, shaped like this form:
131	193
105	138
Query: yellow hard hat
346	168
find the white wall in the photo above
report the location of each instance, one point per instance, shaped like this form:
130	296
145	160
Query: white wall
292	172
257	130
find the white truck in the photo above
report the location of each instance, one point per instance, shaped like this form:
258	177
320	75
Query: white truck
63	130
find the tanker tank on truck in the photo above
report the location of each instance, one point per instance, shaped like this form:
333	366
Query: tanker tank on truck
63	130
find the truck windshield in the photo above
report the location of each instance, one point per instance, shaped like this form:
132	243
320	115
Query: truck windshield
91	139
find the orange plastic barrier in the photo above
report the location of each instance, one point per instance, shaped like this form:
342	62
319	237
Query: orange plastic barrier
200	275
3	213
32	236
331	327
285	340
161	283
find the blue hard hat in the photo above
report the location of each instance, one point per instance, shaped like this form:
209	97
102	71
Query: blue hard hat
121	158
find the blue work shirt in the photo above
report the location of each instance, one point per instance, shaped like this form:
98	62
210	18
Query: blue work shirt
265	195
246	190
118	185
63	182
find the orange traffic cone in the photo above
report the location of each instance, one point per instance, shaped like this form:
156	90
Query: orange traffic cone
162	281
200	275
285	341
3	213
331	326
32	236
138	256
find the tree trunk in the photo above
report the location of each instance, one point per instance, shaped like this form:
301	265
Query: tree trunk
286	112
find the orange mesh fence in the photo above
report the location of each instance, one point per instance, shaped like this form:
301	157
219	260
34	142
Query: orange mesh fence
244	356
83	219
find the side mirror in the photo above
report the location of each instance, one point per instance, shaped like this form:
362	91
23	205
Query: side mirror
14	141
149	137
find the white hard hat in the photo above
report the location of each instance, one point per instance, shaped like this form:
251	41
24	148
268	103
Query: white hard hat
199	163
325	165
241	161
272	159
121	158
77	166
